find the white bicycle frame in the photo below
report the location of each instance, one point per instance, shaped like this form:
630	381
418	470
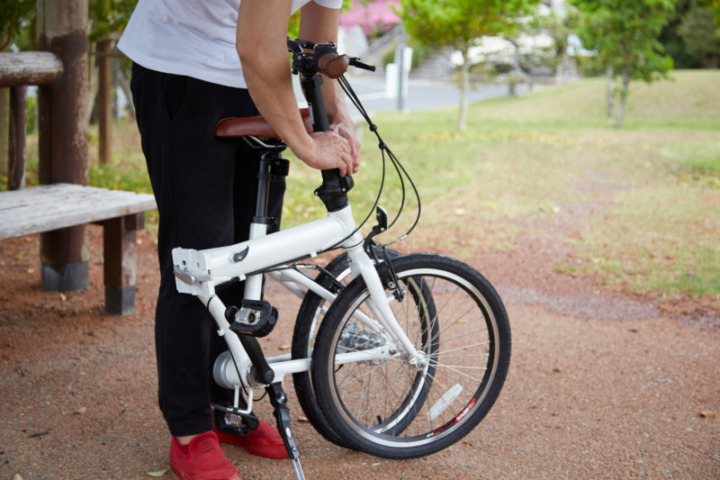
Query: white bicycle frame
197	272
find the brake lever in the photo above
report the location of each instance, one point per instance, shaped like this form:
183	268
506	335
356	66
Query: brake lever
355	62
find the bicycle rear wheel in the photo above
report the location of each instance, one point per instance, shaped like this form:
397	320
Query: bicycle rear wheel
312	310
379	401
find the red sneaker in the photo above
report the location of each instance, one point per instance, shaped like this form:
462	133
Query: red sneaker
264	441
201	459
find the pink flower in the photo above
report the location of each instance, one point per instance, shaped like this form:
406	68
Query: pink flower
378	15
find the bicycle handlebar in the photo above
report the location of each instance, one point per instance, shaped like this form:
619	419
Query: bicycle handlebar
333	65
323	58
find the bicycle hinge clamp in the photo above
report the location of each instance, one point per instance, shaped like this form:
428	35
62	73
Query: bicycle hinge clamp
376	251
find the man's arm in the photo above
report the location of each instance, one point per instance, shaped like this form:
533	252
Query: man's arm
319	24
262	48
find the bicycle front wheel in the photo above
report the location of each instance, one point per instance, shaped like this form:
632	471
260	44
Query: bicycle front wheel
309	318
385	402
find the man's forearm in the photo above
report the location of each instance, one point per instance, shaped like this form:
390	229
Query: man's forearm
266	68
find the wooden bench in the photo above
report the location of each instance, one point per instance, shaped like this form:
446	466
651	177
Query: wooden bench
52	207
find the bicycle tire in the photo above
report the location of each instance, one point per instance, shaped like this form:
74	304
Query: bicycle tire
469	324
308	320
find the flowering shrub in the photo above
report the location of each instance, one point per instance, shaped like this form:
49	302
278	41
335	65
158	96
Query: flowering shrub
375	17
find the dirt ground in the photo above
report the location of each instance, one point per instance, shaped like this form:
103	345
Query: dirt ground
601	385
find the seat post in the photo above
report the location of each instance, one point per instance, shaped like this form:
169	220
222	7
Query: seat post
272	168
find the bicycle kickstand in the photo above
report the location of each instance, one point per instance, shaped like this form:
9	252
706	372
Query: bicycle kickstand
278	400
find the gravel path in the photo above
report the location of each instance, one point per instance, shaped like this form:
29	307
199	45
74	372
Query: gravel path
600	385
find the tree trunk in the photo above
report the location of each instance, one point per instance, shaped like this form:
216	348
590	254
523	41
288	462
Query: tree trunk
517	71
465	87
125	87
620	117
104	61
610	92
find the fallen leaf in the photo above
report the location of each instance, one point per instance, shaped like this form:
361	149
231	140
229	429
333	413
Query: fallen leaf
159	473
63	297
80	410
285	347
303	419
707	414
17	477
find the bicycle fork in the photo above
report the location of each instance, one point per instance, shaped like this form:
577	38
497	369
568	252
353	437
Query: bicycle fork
362	265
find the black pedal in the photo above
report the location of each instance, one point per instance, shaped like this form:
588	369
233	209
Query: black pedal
256	318
227	420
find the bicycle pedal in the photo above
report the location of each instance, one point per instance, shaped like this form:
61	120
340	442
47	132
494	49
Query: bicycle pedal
256	318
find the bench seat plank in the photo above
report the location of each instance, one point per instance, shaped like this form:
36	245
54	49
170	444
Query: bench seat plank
52	207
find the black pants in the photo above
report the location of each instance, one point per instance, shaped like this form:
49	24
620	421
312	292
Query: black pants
205	191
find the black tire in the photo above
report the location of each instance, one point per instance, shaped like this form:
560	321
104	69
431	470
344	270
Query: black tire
388	407
308	322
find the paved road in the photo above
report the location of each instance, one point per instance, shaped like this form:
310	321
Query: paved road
422	94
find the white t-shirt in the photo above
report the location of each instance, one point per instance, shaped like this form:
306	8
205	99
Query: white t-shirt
190	37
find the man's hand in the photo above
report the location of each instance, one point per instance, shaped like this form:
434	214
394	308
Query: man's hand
264	23
348	133
329	150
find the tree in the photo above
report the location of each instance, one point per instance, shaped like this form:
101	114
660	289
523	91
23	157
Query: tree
625	37
701	34
107	20
559	25
715	6
12	16
672	41
459	24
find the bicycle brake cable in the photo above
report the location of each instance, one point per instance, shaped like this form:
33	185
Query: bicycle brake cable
399	168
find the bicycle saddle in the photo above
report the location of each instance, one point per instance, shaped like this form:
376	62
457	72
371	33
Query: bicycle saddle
235	127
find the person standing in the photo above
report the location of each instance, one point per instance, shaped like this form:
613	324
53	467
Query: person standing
195	63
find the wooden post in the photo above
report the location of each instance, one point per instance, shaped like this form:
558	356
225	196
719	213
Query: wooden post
63	135
104	60
17	70
5	137
29	68
18	124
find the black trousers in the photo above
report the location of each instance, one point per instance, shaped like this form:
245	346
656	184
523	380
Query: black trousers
205	190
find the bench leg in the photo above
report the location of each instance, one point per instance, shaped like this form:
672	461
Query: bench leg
121	262
64	262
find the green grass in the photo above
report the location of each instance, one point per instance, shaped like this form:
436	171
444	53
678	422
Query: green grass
529	157
656	229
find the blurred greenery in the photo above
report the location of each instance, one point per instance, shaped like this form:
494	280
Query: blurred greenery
657	230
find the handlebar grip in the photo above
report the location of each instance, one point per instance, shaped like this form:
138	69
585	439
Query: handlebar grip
333	65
